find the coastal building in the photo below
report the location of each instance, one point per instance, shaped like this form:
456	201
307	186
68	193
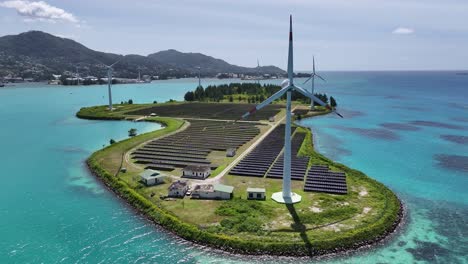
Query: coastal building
230	152
196	172
178	189
213	191
256	193
152	177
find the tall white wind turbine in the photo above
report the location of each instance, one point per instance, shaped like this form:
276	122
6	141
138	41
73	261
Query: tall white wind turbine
109	83
312	79
287	86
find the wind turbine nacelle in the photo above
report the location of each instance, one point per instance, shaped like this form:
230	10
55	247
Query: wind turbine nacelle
285	83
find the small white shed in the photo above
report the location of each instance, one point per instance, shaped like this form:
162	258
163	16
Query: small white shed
256	193
152	177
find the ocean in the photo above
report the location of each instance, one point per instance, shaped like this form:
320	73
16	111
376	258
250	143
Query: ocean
408	130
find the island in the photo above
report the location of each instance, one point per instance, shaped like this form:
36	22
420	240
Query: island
207	177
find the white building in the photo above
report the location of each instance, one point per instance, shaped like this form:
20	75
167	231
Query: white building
196	172
178	189
213	191
256	193
152	177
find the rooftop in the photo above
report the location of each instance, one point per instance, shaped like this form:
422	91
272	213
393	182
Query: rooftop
151	174
177	185
204	188
223	188
197	168
256	190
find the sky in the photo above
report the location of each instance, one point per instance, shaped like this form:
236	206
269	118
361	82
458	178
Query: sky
349	35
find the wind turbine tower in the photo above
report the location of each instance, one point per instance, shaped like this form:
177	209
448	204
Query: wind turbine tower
287	86
199	76
312	79
109	83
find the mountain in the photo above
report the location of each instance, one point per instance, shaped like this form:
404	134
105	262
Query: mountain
38	55
190	61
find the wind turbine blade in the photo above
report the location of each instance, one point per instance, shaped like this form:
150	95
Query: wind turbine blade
320	77
290	53
268	101
308	79
315	99
114	63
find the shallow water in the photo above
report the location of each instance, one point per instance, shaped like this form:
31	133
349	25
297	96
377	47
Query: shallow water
407	130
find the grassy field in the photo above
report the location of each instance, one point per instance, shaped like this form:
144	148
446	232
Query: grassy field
320	222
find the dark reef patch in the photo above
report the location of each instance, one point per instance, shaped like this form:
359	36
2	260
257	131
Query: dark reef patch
458	106
452	162
434	124
460	119
402	243
428	251
378	133
400	126
462	140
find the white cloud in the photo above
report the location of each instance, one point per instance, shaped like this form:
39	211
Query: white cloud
403	31
39	11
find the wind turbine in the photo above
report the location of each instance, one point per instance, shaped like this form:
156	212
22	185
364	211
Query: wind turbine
199	76
109	83
312	79
287	86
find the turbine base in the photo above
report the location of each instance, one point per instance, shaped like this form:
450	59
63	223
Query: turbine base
279	198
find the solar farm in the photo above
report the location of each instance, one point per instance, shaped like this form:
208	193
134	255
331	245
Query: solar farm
220	111
193	145
266	160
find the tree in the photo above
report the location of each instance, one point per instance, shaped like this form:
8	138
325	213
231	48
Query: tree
132	132
231	99
155	102
199	93
332	102
189	96
130	101
112	141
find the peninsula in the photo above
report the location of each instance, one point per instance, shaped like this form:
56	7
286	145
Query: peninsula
208	178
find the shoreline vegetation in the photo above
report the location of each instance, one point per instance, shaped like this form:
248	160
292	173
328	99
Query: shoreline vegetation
310	234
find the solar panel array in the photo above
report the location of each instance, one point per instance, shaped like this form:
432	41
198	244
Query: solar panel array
192	145
298	164
224	111
321	179
257	162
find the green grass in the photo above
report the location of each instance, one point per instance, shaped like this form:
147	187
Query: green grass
320	222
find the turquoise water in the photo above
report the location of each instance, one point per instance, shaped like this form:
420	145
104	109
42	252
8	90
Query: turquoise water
52	210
